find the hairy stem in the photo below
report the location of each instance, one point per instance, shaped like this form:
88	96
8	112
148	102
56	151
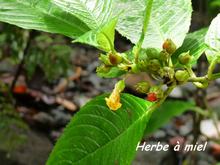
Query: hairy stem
145	26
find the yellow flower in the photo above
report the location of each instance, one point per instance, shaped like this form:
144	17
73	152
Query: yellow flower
113	102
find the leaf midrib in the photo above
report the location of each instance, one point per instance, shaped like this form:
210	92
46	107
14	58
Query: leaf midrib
126	130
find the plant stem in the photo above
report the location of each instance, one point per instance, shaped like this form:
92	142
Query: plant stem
215	76
21	64
212	67
201	111
145	26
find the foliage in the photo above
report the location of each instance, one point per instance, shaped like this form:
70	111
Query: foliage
166	112
213	39
96	134
47	50
105	133
43	50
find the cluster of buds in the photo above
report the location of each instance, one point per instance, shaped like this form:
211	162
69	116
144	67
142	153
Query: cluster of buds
156	63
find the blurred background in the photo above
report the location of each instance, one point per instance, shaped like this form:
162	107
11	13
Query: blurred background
45	79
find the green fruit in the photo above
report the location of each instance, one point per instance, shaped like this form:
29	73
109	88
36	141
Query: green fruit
152	53
154	65
103	69
182	75
184	58
157	90
142	87
169	46
164	56
105	59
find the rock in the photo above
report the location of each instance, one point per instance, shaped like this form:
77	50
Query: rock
43	118
34	152
208	128
159	134
177	93
60	117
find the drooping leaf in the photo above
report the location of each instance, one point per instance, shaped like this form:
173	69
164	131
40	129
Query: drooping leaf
97	135
102	38
212	39
167	110
169	19
194	43
71	18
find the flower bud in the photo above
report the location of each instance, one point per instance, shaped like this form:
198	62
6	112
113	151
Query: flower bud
134	68
142	87
184	58
153	65
164	56
105	59
115	58
152	53
103	69
142	65
169	46
157	90
182	75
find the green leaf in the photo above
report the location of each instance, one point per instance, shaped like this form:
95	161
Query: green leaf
97	135
195	43
70	18
212	39
101	38
167	110
169	19
112	73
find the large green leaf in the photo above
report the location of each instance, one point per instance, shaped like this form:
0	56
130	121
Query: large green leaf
167	110
212	39
102	38
169	19
194	43
71	18
97	135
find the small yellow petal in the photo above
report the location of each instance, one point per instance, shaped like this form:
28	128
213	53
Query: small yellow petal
113	102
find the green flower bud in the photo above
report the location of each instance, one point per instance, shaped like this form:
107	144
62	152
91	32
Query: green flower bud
164	56
142	65
142	87
182	75
169	46
157	90
134	68
115	58
152	53
103	69
153	65
184	58
168	72
105	59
